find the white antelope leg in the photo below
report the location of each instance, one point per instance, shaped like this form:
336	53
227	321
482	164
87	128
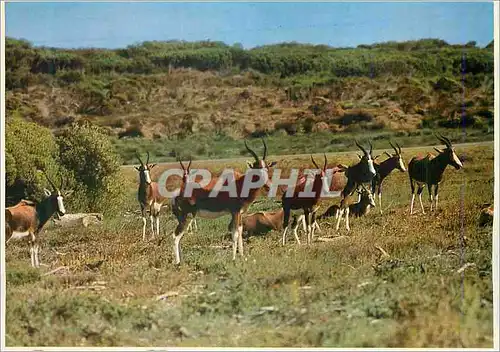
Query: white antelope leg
157	224
412	201
421	204
284	235
436	200
340	212
240	239
236	236
347	219
195	225
32	254
177	247
380	202
300	220
36	248
432	201
151	220
144	228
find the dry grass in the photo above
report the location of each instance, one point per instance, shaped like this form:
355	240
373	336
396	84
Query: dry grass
337	293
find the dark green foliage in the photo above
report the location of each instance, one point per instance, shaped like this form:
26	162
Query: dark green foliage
29	149
87	152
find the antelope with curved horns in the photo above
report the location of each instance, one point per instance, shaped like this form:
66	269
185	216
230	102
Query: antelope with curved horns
27	218
394	161
429	171
307	204
192	225
149	197
210	202
362	172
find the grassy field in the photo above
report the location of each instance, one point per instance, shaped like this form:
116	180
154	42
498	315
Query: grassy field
338	293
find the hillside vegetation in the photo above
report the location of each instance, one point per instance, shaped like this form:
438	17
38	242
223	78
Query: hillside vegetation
177	89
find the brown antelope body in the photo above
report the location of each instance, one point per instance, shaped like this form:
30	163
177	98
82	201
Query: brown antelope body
149	197
26	219
205	204
429	171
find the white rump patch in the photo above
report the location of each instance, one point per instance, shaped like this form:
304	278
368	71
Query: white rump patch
211	214
16	235
156	207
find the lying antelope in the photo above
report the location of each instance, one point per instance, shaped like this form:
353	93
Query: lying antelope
306	204
203	202
264	221
394	161
429	171
27	218
149	197
361	208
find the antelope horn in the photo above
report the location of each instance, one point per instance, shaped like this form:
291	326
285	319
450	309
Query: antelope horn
147	161
62	181
190	161
251	151
447	140
324	167
371	147
265	149
399	147
393	147
442	139
389	155
180	162
139	158
316	165
361	147
50	181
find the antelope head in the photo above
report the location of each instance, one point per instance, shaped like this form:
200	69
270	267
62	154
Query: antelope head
57	195
144	169
185	170
400	165
367	160
259	163
451	157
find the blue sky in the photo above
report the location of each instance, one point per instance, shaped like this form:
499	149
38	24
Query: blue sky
114	25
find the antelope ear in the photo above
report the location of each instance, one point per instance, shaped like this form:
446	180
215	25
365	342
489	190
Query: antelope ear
272	163
438	150
388	154
249	164
375	158
342	168
152	166
68	193
359	156
47	192
137	168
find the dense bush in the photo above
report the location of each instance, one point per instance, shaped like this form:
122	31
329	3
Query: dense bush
82	155
88	154
29	149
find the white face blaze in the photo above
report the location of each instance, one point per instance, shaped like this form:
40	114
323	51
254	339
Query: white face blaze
402	164
147	176
60	204
370	165
456	159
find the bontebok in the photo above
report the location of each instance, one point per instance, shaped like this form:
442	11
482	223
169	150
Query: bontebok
429	171
27	218
394	161
149	197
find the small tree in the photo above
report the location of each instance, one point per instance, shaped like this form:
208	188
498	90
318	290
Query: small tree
87	152
29	148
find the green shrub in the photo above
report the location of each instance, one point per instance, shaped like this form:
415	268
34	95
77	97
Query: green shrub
87	152
28	147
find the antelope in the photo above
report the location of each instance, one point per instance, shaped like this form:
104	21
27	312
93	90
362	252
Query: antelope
149	197
307	204
262	222
192	225
394	161
27	218
361	208
357	175
429	171
202	202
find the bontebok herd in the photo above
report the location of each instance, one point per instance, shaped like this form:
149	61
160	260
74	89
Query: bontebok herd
232	193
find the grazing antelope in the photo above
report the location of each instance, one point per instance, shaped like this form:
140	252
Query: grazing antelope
149	197
429	171
27	218
262	222
205	203
361	208
308	205
394	161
